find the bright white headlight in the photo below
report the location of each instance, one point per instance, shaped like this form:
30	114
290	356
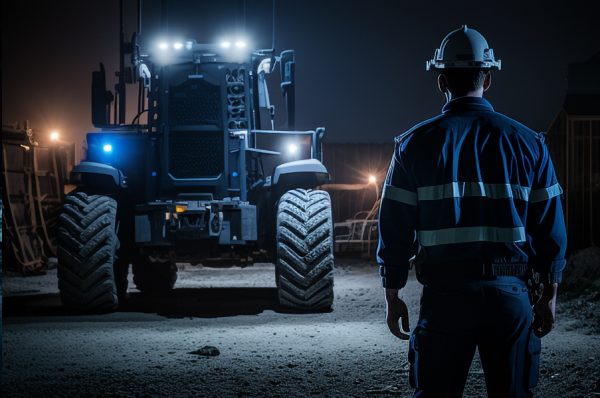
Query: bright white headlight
240	44
226	44
163	45
177	45
292	149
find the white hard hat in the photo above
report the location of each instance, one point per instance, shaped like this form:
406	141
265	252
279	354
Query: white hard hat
464	48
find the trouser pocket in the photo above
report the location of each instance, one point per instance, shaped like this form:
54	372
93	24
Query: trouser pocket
426	355
411	360
418	359
532	360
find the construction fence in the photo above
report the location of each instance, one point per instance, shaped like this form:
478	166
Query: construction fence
574	142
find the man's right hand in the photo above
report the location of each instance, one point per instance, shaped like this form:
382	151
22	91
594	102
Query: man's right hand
395	311
544	311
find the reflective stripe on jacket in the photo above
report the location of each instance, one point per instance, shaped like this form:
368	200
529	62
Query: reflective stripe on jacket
470	186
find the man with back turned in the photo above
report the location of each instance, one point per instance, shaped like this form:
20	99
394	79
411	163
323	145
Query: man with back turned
473	195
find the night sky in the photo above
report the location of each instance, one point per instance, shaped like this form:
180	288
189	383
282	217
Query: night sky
360	64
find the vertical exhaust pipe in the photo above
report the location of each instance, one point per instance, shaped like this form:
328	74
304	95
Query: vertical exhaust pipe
121	89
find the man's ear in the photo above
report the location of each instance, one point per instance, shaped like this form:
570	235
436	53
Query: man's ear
487	81
442	83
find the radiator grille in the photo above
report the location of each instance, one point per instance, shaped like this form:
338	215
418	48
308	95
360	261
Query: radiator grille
196	154
195	102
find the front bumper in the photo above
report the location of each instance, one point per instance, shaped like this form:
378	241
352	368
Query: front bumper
164	223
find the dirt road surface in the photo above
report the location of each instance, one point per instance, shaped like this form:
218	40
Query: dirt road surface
146	348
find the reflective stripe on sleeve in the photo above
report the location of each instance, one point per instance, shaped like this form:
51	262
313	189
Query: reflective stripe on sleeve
471	234
473	189
539	195
399	195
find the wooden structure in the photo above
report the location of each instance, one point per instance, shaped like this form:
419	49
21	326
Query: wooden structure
574	141
34	176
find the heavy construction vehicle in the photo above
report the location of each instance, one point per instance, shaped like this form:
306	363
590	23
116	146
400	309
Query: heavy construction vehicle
194	184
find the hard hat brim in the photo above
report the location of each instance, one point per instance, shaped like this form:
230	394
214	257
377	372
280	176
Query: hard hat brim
485	65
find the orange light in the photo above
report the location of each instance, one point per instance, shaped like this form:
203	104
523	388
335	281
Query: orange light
372	179
180	208
54	135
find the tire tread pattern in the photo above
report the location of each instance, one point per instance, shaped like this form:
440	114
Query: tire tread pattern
87	246
305	261
154	275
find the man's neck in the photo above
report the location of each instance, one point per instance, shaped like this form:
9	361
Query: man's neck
475	93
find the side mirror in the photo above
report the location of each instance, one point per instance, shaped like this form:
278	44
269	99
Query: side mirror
287	68
101	99
288	84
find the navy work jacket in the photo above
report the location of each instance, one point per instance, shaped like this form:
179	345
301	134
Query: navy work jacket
470	186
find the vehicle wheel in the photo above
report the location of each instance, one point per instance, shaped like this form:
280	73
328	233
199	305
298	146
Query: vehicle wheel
304	237
121	270
87	245
154	274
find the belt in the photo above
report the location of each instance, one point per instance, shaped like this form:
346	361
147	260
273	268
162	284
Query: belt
468	272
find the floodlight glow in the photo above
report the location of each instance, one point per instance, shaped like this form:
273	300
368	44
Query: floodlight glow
240	44
372	179
177	45
107	148
225	44
163	45
54	135
292	149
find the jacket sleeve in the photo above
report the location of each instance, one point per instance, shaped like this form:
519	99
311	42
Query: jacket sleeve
545	221
397	222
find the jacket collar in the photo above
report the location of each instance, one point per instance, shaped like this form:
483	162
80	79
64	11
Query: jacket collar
466	104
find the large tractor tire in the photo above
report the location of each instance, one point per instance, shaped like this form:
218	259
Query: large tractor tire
154	274
304	238
87	246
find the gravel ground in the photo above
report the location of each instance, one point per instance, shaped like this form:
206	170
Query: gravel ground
147	348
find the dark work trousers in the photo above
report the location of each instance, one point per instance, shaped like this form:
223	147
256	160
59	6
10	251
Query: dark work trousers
492	315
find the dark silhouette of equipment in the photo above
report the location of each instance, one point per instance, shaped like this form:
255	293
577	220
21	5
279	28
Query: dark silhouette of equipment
195	177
